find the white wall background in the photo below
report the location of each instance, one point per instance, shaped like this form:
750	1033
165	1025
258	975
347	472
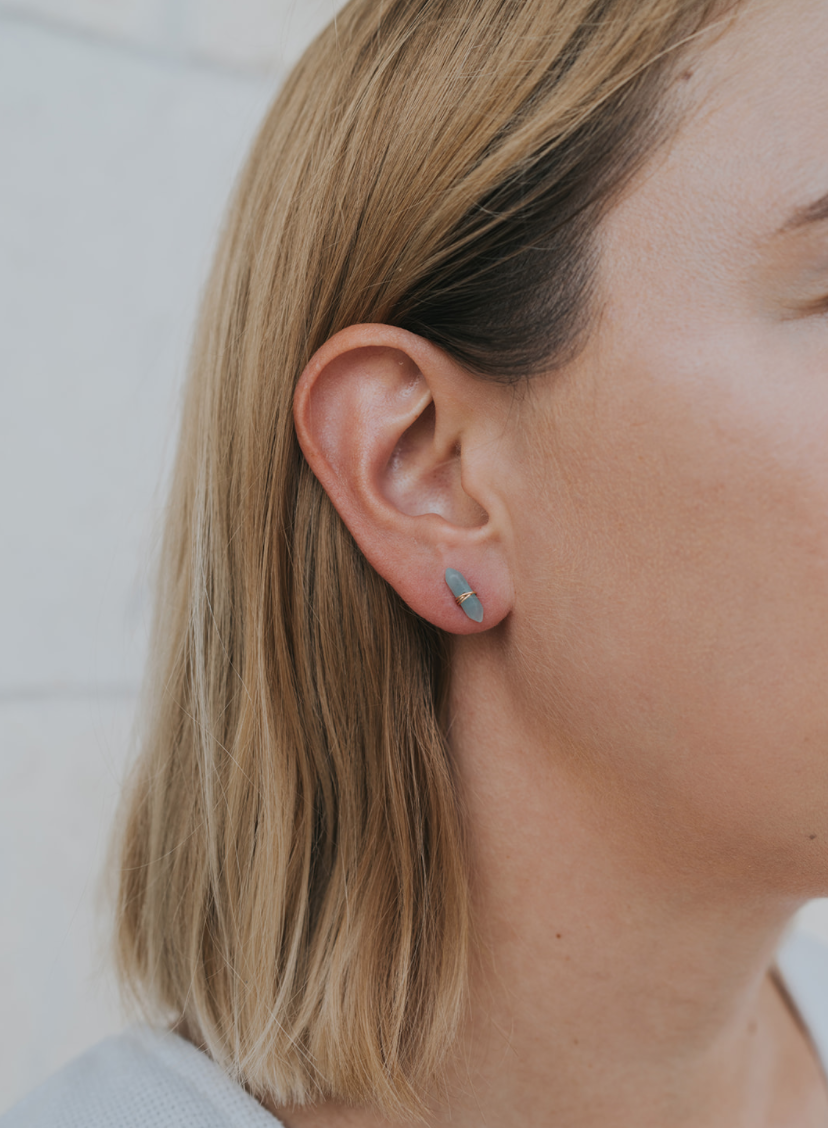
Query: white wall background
122	124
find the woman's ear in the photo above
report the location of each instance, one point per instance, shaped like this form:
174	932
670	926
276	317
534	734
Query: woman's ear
404	441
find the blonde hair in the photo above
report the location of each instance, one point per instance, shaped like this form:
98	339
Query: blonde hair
292	878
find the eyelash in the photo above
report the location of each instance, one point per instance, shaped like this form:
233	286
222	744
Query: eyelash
816	308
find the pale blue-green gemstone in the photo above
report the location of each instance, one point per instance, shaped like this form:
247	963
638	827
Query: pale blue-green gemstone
459	585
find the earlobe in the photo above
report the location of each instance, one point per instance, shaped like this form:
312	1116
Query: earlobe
388	424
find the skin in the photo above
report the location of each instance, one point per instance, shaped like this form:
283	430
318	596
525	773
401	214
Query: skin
640	723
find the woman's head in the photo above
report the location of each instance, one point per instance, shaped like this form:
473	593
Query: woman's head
673	567
477	305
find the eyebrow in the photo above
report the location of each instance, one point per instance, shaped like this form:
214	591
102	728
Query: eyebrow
816	212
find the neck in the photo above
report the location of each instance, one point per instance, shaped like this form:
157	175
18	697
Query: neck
622	976
614	982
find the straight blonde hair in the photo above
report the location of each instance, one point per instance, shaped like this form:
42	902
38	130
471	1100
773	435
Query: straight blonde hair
293	889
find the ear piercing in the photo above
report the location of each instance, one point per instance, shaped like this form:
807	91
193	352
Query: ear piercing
466	599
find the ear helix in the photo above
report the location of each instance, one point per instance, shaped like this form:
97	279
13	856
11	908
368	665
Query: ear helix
466	599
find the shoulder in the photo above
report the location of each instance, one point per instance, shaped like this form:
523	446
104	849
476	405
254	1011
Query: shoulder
802	961
143	1078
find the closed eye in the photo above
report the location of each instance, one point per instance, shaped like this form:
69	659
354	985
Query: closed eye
816	308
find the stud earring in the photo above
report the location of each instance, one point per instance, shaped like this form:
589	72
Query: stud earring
466	599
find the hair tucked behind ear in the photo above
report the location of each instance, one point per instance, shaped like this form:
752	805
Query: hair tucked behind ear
292	878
